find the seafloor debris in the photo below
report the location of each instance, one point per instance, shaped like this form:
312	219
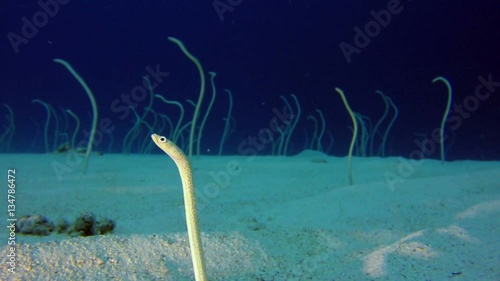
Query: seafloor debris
87	224
34	225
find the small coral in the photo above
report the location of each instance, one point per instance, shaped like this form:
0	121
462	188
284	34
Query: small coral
87	225
83	225
62	226
104	226
34	225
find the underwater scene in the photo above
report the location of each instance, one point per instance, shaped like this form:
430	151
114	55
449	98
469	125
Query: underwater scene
240	140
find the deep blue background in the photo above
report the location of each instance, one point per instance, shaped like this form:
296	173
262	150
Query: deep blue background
261	50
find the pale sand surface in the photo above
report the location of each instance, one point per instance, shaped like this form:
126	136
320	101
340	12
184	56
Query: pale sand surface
277	218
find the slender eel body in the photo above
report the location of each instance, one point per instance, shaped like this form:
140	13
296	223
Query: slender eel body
186	174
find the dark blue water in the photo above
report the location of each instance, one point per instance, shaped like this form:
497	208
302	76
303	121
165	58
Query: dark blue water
260	50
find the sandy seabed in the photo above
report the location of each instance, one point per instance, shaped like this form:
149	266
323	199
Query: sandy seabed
262	218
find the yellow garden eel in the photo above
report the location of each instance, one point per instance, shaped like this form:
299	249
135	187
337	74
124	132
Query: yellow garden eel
186	174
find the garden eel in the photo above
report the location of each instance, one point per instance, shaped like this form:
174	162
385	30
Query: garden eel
185	171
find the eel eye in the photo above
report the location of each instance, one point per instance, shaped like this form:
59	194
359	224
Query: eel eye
163	139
